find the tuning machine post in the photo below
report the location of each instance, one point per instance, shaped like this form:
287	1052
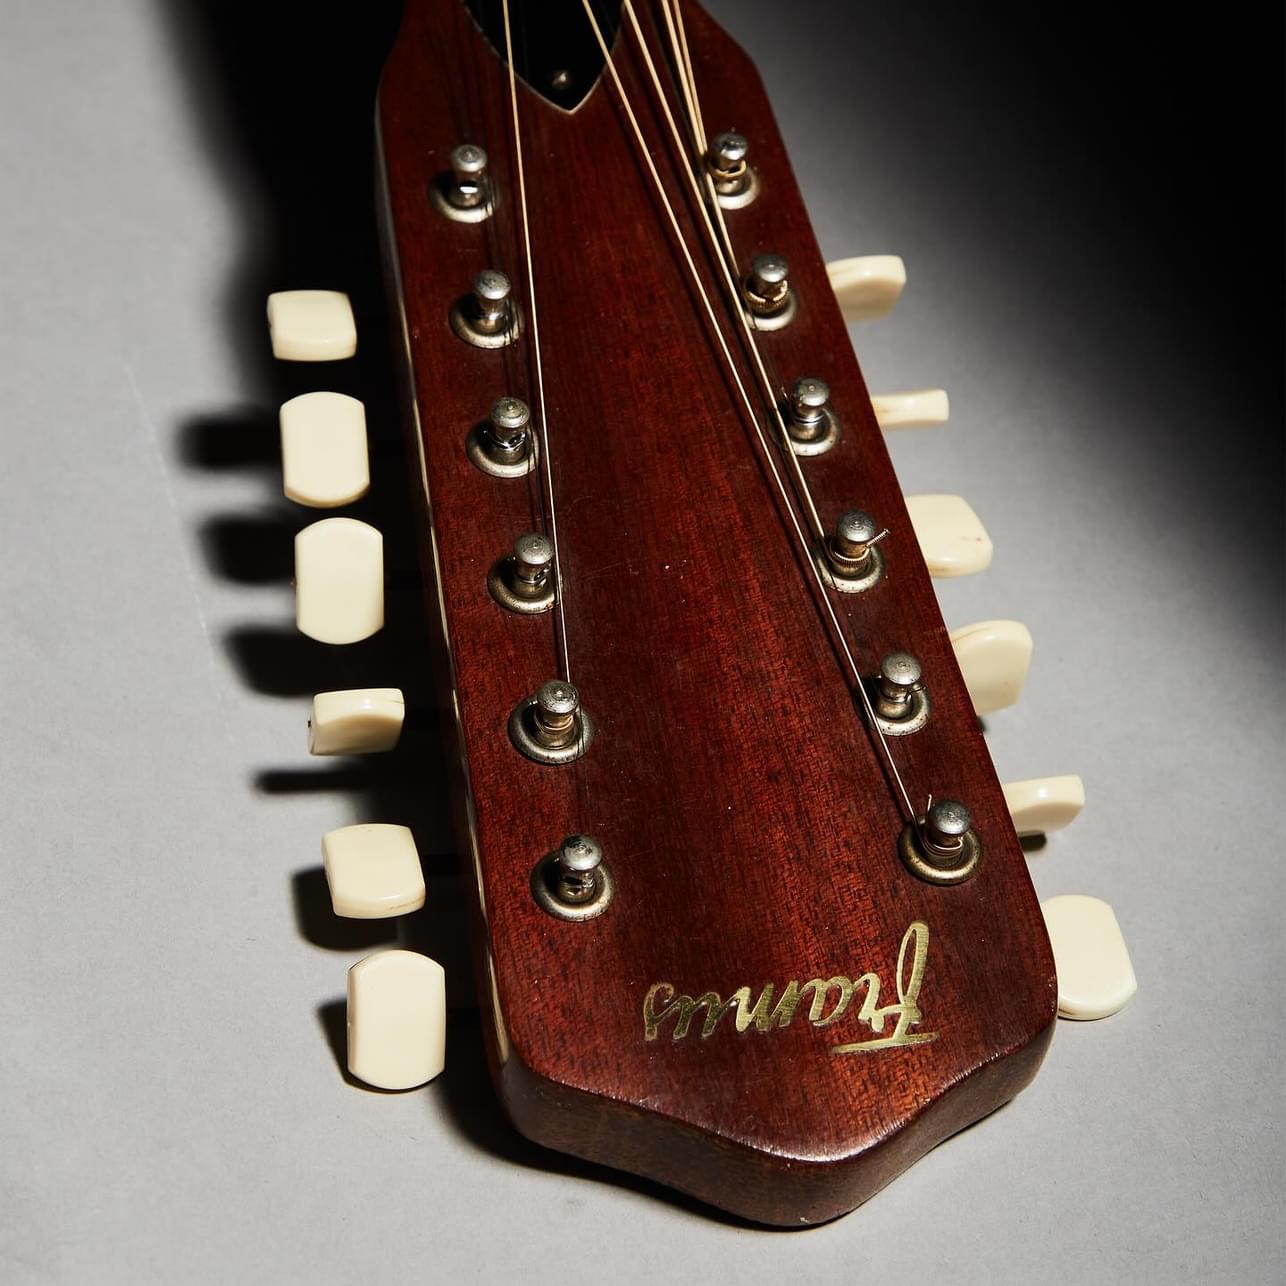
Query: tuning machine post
467	193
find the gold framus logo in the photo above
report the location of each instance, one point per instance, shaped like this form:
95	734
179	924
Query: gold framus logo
661	1003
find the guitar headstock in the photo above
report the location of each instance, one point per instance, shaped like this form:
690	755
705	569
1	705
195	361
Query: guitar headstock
753	917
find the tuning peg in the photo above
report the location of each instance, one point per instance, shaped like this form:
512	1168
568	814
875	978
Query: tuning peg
311	325
1095	976
868	286
994	657
1044	804
358	721
323	450
373	871
396	1019
952	538
339	580
923	408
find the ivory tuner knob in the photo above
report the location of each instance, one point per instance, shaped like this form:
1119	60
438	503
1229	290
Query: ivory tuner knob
396	1019
924	408
952	538
1044	804
373	871
311	325
1095	975
323	450
358	721
868	286
339	580
994	657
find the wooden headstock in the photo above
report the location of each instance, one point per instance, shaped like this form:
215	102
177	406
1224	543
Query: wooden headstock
722	939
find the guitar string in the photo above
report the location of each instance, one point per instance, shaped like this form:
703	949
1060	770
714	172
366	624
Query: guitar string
673	11
694	103
723	252
858	684
538	370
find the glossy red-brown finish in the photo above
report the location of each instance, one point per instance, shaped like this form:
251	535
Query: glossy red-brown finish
739	798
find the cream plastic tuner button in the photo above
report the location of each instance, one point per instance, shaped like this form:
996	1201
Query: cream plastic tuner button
397	1014
868	286
1095	976
994	657
323	450
952	538
919	409
339	580
311	325
373	871
358	721
1044	804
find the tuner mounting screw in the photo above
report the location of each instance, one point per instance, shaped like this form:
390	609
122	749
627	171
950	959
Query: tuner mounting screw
465	194
734	181
573	883
523	581
768	294
853	560
810	422
551	727
942	846
901	702
489	317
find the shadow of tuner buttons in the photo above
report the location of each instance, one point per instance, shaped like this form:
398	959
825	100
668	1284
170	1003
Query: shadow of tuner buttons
339	580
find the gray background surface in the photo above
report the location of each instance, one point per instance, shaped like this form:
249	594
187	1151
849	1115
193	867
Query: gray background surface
171	1108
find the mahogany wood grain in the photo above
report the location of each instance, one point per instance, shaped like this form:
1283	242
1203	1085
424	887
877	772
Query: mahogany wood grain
740	800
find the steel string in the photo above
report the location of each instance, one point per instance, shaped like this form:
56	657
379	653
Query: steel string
737	306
